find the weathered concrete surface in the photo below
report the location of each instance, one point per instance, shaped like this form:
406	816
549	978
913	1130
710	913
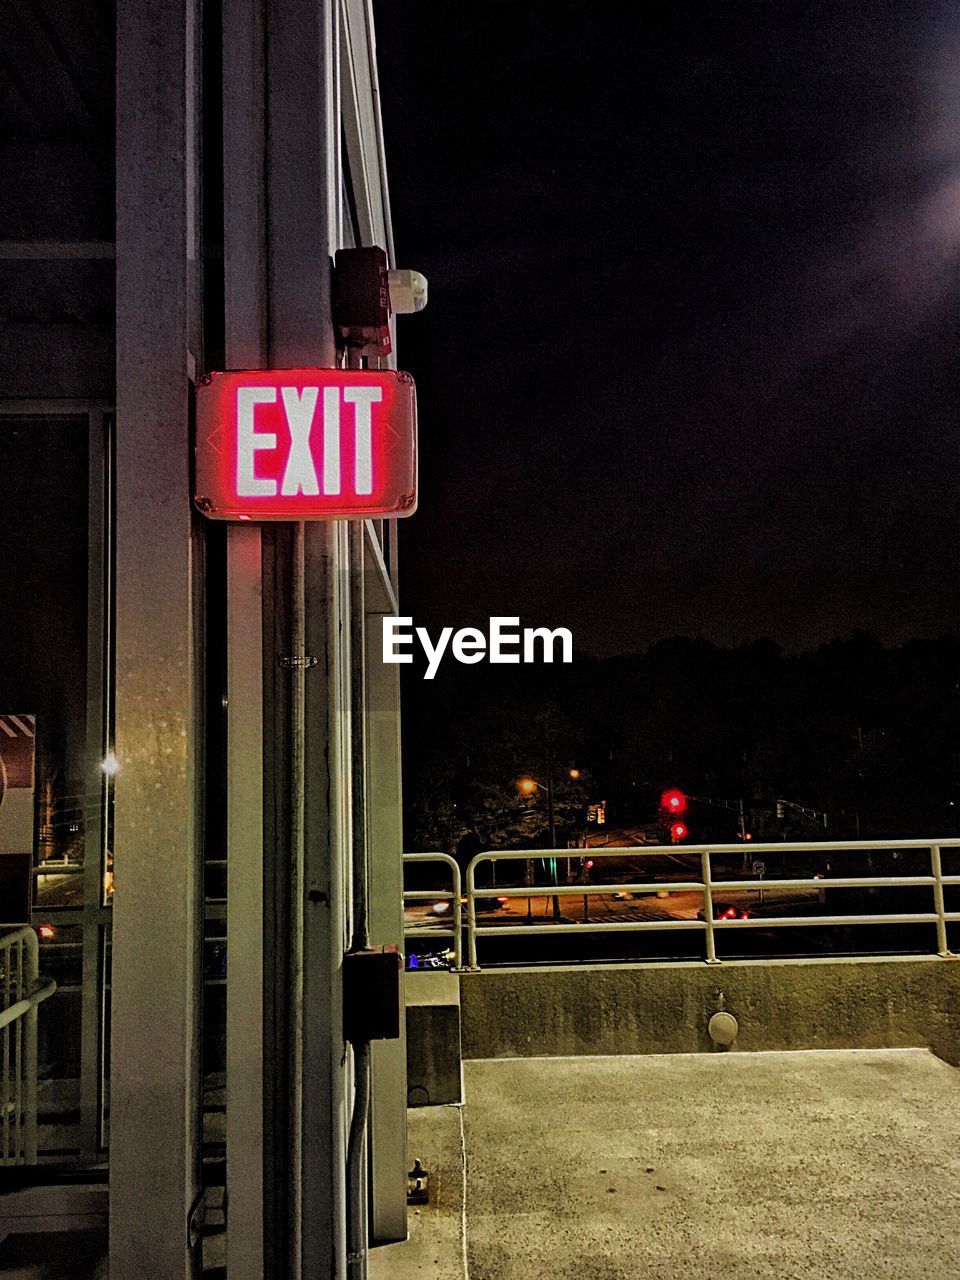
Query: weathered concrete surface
787	1166
434	1249
893	1002
433	1038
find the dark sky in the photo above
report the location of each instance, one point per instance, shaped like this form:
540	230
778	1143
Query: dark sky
691	360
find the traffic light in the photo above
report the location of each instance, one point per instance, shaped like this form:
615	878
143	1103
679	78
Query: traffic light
674	801
678	832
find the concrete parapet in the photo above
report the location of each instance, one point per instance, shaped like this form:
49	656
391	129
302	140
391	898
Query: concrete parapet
888	1002
433	1038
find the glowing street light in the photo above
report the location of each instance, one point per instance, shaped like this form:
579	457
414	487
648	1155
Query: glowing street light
528	786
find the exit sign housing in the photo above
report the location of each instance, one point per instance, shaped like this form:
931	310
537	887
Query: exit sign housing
306	444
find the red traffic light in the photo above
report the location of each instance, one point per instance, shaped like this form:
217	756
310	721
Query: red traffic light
678	831
673	801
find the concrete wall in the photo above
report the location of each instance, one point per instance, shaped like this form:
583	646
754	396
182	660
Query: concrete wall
896	1002
433	1050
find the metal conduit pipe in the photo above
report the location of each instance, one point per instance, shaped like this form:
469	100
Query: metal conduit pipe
297	801
356	1165
360	939
358	714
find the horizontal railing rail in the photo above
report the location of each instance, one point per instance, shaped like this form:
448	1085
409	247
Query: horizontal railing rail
22	993
454	895
707	886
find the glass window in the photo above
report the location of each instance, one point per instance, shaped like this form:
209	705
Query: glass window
55	738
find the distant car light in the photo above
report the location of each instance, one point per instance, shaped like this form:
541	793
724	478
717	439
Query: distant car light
440	908
47	932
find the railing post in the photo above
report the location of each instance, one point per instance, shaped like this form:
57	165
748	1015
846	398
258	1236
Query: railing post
20	996
457	919
456	928
708	906
29	981
471	917
937	869
30	1086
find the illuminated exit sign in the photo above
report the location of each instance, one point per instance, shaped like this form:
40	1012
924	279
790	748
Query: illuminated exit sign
306	444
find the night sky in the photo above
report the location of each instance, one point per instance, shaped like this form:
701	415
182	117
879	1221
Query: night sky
691	360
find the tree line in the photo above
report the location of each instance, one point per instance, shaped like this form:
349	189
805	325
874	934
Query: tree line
864	733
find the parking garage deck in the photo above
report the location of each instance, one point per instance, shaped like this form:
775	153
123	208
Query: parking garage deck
829	1164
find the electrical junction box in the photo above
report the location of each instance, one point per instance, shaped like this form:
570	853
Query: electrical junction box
361	300
371	994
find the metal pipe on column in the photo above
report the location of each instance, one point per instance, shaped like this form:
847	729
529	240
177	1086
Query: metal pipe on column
252	1195
357	1143
296	663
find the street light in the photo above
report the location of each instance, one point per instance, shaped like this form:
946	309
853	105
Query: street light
528	786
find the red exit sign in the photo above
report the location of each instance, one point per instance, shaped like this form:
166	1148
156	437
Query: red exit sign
306	444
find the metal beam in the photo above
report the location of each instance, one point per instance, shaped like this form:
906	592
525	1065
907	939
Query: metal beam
154	1157
249	905
313	747
99	740
57	250
245	906
388	1118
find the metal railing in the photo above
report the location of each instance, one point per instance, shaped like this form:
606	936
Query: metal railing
455	928
22	994
707	885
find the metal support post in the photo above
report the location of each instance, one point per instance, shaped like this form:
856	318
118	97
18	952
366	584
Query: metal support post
384	832
252	1230
937	869
156	980
708	906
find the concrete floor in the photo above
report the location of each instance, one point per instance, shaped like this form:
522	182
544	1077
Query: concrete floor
434	1249
834	1165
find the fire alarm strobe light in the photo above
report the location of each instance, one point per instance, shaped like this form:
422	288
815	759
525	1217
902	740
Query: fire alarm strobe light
306	444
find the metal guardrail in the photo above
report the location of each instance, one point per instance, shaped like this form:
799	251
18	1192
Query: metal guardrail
707	885
455	928
22	994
